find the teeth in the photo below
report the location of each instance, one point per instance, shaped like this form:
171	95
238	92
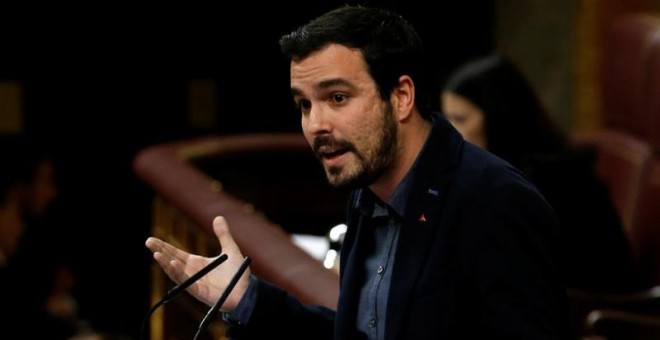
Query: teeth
327	150
331	153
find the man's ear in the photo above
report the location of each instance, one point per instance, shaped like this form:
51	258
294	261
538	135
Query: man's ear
403	98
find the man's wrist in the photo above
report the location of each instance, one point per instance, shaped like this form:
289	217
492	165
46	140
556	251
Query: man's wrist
240	315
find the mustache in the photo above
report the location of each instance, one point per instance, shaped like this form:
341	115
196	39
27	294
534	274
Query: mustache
330	142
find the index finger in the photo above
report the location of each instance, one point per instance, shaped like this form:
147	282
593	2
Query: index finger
169	251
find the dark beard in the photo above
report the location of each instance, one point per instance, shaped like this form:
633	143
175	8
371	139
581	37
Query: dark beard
380	160
386	149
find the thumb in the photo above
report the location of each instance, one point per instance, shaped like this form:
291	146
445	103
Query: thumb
227	243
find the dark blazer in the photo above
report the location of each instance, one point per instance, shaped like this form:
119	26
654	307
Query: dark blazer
475	259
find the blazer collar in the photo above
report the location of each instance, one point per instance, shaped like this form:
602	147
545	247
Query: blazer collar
434	168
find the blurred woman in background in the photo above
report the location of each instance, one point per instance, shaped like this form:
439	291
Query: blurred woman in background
491	103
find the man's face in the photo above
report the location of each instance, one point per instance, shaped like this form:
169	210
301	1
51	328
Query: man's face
350	128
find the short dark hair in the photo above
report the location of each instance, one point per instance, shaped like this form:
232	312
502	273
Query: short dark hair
389	44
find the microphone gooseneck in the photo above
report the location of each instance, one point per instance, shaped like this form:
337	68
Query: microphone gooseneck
218	303
172	293
178	289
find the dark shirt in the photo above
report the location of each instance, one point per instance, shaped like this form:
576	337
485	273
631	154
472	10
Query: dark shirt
384	221
378	275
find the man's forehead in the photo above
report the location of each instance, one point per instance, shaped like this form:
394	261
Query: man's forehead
334	66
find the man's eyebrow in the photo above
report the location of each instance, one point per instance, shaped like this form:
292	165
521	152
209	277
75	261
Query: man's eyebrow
324	85
333	82
296	91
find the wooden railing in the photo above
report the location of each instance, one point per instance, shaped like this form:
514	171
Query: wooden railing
266	186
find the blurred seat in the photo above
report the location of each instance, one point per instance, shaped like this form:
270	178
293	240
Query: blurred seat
652	95
628	151
622	162
624	75
646	235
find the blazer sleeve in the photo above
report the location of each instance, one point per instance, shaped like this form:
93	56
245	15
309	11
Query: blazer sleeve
277	314
516	265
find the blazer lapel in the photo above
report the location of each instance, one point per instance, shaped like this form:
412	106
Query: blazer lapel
421	220
415	238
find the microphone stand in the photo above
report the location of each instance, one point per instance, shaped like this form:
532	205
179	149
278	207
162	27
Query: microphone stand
216	306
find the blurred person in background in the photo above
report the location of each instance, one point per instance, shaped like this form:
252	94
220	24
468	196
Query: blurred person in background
36	282
491	103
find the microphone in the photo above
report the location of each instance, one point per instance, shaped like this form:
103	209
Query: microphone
172	293
216	306
178	289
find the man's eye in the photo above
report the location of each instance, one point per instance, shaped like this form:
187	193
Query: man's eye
339	98
303	105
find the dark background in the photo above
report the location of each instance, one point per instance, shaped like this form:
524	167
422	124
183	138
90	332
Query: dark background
102	83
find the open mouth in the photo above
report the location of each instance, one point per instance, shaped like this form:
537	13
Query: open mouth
330	153
331	156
